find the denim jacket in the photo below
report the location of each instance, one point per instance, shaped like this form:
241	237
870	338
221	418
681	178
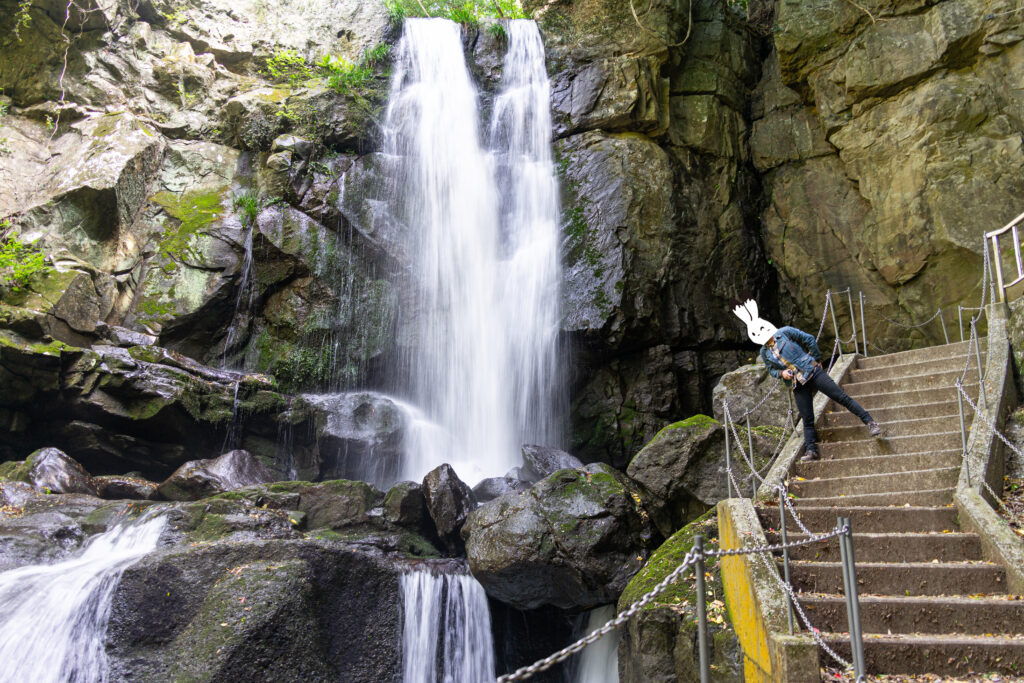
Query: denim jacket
796	348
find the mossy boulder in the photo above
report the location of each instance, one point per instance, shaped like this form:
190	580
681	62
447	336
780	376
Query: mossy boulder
572	541
659	643
682	469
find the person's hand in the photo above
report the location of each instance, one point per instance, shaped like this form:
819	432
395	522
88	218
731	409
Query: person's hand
787	374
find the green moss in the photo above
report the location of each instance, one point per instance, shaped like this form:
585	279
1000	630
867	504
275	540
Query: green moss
694	422
107	125
12	470
665	560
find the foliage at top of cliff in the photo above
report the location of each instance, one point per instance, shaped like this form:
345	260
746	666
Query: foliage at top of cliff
468	12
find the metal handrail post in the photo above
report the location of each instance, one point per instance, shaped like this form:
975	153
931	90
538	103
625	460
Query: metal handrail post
753	463
702	614
960	317
999	268
728	463
857	640
863	327
963	430
846	589
942	319
853	321
785	552
835	325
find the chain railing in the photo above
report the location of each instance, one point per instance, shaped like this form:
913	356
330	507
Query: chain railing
696	558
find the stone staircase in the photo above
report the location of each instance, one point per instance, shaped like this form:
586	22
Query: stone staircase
929	602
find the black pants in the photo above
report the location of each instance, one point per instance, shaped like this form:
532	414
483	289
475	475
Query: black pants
804	396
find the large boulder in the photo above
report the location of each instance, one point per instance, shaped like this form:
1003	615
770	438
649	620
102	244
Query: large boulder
449	501
572	541
52	471
746	387
203	478
682	470
492	487
123	487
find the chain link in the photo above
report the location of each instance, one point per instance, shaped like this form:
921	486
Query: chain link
898	323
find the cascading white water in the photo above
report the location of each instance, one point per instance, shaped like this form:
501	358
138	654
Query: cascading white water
486	270
53	618
599	662
447	630
530	277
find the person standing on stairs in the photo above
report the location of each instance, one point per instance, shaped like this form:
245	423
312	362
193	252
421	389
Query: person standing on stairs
793	356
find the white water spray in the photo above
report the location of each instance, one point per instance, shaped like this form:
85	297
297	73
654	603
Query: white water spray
53	618
447	630
484	367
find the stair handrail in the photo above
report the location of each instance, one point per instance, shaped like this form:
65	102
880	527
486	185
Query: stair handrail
993	236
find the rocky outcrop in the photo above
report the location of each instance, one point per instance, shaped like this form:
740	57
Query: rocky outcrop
659	210
887	141
744	388
571	541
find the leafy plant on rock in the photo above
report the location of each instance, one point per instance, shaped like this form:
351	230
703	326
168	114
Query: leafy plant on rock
20	261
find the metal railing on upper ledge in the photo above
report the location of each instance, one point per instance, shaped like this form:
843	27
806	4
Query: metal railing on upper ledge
993	237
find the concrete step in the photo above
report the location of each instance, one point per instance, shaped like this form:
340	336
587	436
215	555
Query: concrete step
901	578
865	519
944	655
917	443
926	367
844	418
917	614
917	355
913	547
906	427
932	380
935	497
877	464
898	399
876	483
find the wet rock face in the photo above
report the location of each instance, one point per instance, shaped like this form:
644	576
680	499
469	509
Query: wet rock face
449	501
203	478
540	461
493	487
851	107
571	541
744	388
52	471
359	436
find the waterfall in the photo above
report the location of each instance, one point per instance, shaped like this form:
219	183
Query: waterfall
447	631
53	618
486	273
599	662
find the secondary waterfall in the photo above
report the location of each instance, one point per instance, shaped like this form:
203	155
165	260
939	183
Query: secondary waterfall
483	369
447	630
53	618
599	662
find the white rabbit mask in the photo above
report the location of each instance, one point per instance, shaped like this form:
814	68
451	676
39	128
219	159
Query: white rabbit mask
758	329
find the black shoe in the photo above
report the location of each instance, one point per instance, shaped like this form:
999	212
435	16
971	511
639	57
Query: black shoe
874	429
810	455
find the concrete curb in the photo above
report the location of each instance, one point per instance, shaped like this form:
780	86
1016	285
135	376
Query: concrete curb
757	603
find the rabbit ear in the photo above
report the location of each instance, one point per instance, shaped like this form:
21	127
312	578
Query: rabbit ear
742	313
752	307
